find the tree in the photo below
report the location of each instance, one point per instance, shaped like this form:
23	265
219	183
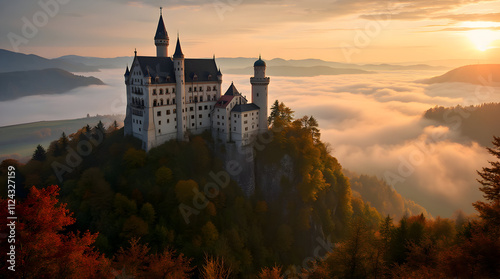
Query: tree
43	249
163	176
490	181
281	115
134	158
214	268
40	154
270	273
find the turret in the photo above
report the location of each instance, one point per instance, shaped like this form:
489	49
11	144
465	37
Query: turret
180	91
259	91
161	38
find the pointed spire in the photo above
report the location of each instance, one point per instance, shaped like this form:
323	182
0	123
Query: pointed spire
178	51
161	31
127	72
219	73
135	52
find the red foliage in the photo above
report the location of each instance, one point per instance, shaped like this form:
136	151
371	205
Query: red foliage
43	248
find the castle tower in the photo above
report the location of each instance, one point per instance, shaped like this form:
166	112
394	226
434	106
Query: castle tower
180	91
161	38
128	116
259	91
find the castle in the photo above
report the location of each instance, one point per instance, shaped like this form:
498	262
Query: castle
172	97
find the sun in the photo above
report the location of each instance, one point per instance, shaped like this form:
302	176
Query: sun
482	37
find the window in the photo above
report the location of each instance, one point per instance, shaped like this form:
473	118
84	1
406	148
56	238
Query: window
158	113
190	89
246	128
173	91
155	103
174	110
166	91
192	124
168	112
159	131
257	94
173	101
192	116
154	91
168	121
200	108
206	107
200	116
223	117
234	129
191	109
159	122
218	116
161	102
245	115
234	114
200	123
195	89
201	98
201	89
168	101
215	88
208	88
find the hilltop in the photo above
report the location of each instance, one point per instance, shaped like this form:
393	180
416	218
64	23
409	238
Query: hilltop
14	85
480	74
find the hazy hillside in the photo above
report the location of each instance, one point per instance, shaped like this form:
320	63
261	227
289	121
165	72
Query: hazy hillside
481	74
291	71
15	85
383	197
19	141
13	61
477	123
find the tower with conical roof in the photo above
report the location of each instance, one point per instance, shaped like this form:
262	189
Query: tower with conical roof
161	38
180	91
259	91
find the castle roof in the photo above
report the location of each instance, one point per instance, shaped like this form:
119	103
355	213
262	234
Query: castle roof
232	91
259	63
224	101
161	32
245	107
196	70
178	50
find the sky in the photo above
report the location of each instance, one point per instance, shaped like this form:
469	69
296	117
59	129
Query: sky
357	31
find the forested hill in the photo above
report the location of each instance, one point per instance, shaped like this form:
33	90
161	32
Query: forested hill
174	213
15	85
477	123
480	74
161	197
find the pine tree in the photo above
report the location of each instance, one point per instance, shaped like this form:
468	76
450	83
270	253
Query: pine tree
490	181
40	154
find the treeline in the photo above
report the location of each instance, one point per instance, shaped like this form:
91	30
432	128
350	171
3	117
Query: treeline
478	123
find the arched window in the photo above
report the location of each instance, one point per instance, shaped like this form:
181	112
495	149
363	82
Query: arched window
155	103
161	102
215	88
196	99
173	101
142	102
201	98
168	101
161	91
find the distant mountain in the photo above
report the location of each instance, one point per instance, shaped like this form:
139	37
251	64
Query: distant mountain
15	85
101	63
291	71
228	64
481	74
14	61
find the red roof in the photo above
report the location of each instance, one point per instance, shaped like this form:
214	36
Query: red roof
224	101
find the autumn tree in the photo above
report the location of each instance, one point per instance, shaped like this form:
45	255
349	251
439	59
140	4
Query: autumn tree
490	181
280	115
44	249
215	268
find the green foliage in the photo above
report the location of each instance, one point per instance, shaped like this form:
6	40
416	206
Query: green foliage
40	154
134	158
